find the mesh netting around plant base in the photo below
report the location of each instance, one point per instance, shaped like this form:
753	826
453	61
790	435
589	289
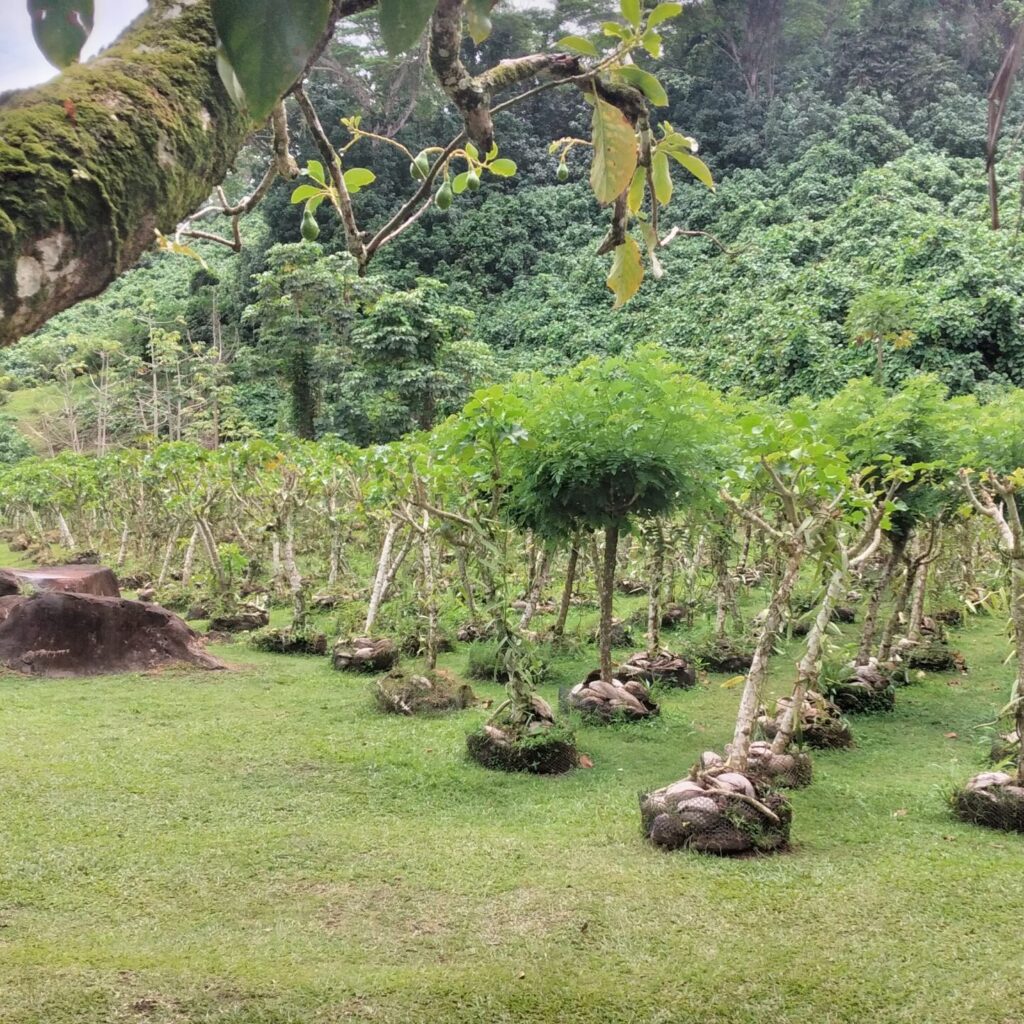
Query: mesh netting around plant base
862	689
953	617
994	799
1005	746
408	693
288	641
718	812
665	669
791	770
931	654
724	654
364	654
617	701
527	740
821	724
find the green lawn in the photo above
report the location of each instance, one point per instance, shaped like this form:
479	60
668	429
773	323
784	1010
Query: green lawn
263	846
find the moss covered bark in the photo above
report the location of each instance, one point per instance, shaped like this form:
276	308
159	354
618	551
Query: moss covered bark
93	162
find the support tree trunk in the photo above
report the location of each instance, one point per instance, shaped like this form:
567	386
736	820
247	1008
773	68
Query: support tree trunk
611	544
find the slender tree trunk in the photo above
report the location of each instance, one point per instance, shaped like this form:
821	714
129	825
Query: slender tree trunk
655	579
66	537
867	637
898	608
467	583
429	592
294	577
917	602
611	543
754	684
190	555
540	580
383	560
210	545
808	668
122	551
165	565
570	582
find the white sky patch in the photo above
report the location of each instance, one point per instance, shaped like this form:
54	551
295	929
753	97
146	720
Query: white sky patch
21	63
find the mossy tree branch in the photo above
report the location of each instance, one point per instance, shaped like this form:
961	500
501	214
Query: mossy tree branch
92	163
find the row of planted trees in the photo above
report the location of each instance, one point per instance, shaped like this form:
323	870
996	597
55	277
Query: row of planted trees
619	468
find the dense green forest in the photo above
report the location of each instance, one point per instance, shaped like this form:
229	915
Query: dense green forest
847	142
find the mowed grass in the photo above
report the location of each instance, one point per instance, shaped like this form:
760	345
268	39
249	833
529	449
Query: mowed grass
261	845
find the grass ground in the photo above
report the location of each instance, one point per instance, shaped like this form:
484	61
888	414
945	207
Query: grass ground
262	846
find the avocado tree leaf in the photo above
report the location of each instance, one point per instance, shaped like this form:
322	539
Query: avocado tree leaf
60	28
357	178
631	10
627	272
578	45
662	177
402	22
663	12
635	199
614	152
268	44
695	166
645	82
478	19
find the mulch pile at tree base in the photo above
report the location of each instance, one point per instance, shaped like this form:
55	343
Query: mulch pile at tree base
64	634
821	723
720	812
620	635
1006	745
624	701
863	689
723	654
288	641
994	799
402	693
241	621
792	770
364	654
76	579
665	668
537	745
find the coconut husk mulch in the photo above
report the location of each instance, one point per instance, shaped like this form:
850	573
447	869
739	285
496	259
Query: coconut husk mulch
537	745
617	701
791	770
675	615
364	654
289	641
470	632
243	620
631	586
993	799
952	617
426	693
415	645
717	811
821	724
665	669
863	689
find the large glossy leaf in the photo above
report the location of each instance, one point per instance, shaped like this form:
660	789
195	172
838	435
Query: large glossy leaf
662	177
402	22
268	44
646	83
478	19
627	272
60	28
695	166
614	152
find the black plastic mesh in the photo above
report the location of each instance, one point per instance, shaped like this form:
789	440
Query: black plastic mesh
600	703
712	817
857	698
995	806
547	752
430	693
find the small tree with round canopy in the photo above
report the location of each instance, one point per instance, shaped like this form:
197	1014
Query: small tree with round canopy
609	443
